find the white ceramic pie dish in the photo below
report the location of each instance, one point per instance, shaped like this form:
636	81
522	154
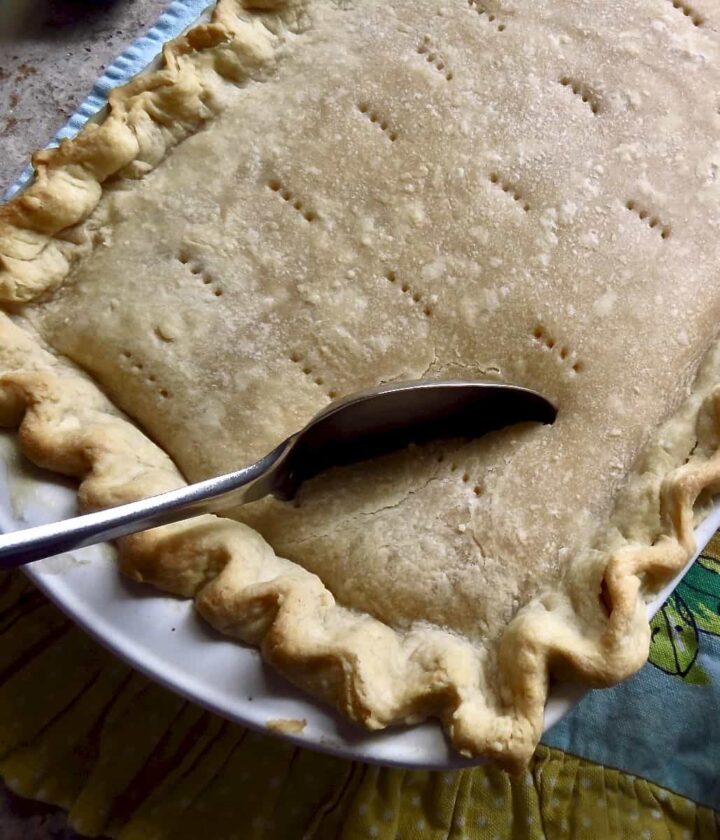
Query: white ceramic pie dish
164	638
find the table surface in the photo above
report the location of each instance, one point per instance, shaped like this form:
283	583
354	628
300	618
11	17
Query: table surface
51	52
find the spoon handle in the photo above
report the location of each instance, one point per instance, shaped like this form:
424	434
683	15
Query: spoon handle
246	485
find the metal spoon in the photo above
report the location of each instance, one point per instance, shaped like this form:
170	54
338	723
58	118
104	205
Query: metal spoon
360	426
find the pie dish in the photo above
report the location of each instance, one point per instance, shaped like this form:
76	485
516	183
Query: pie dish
313	197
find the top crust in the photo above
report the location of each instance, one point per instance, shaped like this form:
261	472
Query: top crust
580	262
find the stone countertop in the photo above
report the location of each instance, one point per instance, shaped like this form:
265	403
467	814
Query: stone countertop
51	52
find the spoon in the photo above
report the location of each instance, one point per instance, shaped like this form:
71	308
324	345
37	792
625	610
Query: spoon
359	426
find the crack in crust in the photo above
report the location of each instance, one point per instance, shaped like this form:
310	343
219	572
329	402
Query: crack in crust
374	674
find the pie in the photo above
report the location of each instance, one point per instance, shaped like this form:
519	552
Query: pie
311	197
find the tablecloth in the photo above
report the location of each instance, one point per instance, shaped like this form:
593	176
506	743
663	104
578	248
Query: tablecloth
130	760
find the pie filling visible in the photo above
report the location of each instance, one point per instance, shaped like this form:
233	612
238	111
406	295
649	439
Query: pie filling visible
522	191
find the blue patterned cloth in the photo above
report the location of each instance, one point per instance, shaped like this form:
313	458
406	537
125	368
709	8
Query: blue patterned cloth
664	723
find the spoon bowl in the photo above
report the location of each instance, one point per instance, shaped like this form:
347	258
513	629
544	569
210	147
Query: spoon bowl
357	427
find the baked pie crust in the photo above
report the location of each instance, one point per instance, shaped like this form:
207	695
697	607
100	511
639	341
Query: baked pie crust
314	196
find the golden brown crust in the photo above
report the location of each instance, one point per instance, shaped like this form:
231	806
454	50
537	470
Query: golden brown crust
374	674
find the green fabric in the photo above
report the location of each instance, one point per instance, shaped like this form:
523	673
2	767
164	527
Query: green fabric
130	760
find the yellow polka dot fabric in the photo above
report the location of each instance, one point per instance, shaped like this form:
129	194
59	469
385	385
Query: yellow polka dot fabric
130	760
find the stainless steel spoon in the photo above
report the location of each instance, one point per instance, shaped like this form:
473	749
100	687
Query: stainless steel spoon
360	426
